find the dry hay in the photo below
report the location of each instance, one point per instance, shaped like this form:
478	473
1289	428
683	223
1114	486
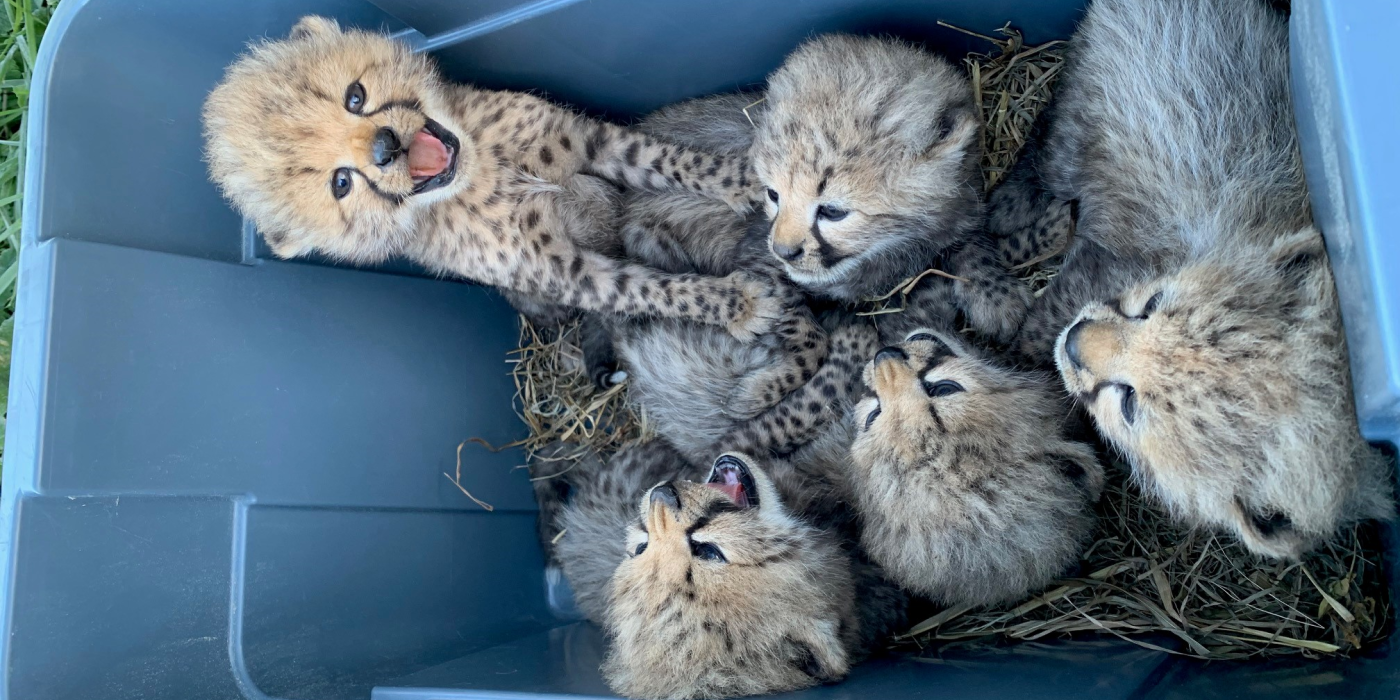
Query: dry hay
1011	84
558	402
1145	575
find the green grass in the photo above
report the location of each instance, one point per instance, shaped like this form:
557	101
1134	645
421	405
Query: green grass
23	23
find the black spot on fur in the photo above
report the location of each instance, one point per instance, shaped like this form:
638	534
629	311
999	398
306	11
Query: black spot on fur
546	155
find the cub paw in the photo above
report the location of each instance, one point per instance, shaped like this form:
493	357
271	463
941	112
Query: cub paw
997	316
759	310
605	378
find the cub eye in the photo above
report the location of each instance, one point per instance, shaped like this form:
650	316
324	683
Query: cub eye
707	551
773	195
945	387
355	98
1150	306
640	548
831	213
340	183
870	419
1129	404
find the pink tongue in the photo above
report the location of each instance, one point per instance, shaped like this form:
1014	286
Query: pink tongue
426	155
735	492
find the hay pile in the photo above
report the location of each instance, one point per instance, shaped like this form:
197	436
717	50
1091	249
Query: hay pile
1144	578
559	403
1144	575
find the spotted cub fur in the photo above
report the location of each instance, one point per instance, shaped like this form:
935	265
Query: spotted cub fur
967	492
349	144
681	232
681	374
869	151
725	592
1215	361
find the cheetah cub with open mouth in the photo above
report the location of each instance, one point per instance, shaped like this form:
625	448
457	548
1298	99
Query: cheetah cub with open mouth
725	592
349	144
967	492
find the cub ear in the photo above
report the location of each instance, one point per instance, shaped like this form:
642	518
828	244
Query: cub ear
1297	253
282	244
818	662
953	126
1077	463
1267	531
315	26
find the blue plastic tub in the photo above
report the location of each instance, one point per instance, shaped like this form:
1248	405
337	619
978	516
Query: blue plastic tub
225	473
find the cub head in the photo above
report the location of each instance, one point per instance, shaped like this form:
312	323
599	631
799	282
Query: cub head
932	391
1226	385
868	149
724	593
968	492
332	141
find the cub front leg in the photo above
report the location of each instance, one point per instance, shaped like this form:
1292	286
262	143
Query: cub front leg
801	415
639	161
802	345
747	307
993	300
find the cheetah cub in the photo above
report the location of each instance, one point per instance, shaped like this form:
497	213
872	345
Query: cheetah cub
869	149
349	144
1216	362
725	592
966	490
681	232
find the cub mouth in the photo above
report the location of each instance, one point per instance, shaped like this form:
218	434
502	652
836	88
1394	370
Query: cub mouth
732	477
432	157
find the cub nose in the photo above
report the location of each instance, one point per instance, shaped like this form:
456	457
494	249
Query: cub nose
1072	344
385	147
890	354
787	252
666	495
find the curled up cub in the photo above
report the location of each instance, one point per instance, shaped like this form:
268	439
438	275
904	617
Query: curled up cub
967	491
347	143
1196	315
